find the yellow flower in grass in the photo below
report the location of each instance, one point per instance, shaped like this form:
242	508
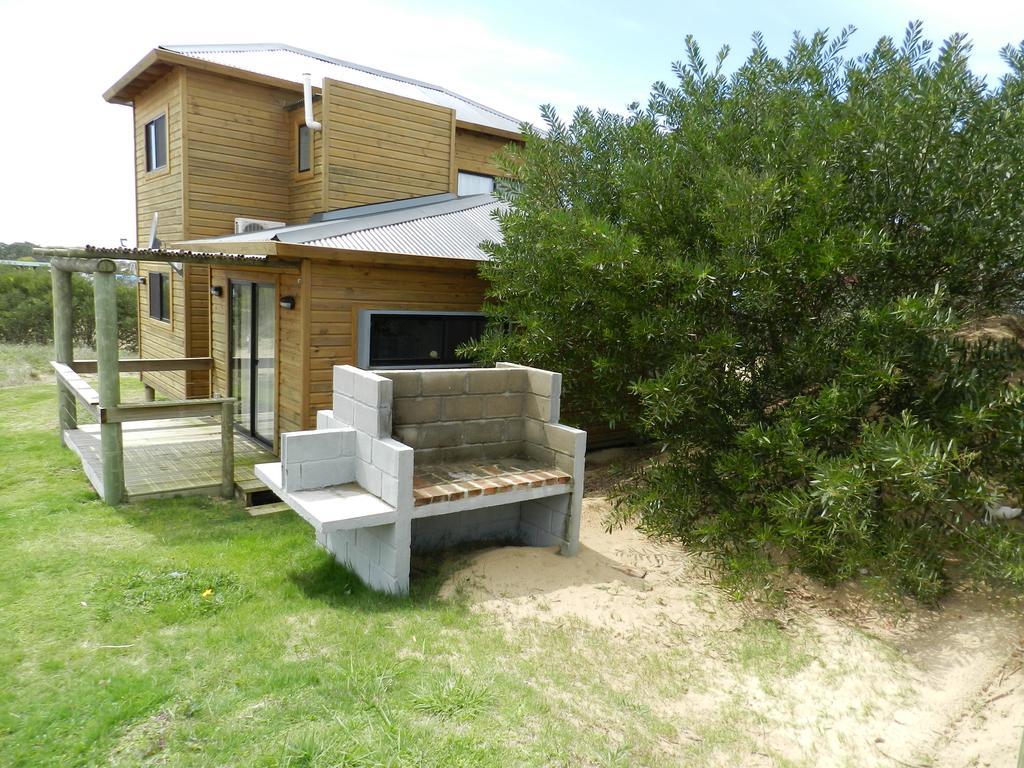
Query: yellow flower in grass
208	592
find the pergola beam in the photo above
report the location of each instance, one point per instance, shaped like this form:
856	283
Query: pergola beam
66	263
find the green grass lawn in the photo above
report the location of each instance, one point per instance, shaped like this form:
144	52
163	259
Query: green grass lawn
184	632
27	363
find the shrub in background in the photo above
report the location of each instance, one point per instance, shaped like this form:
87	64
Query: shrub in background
26	309
767	271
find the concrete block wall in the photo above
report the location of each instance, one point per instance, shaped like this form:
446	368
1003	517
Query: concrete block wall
378	555
501	523
545	522
471	413
554	444
318	458
534	523
363	401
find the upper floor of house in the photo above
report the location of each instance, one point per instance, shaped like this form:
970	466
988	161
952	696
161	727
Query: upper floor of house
221	138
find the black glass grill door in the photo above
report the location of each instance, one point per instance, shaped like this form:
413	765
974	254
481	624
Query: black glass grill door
253	308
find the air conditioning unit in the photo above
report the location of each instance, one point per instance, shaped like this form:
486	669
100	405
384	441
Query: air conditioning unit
244	226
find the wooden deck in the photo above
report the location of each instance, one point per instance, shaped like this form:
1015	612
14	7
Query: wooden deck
171	457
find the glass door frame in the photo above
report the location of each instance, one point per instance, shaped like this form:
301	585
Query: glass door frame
250	425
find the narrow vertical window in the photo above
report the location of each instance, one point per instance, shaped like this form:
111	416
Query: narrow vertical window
159	284
156	143
305	144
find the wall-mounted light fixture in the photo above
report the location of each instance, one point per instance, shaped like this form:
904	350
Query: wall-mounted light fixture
142	281
216	290
287	302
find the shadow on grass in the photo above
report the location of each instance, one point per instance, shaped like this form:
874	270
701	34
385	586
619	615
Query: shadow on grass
335	585
196	519
330	583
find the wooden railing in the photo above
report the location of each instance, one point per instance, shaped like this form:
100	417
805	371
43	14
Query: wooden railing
148	364
88	397
69	379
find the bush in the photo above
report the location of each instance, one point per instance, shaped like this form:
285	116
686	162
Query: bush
26	309
768	273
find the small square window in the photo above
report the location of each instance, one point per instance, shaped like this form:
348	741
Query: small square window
305	144
159	284
156	143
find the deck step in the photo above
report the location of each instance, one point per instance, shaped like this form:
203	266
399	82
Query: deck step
249	490
268	509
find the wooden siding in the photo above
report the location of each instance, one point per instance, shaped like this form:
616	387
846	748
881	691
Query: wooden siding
232	152
291	356
163	339
238	153
160	192
339	292
219	325
321	331
474	152
197	320
307	189
382	147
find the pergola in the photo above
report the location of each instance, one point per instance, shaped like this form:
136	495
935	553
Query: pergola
105	405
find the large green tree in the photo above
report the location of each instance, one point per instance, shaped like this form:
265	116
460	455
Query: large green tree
768	272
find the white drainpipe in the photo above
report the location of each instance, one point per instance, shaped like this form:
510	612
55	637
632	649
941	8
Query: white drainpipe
307	98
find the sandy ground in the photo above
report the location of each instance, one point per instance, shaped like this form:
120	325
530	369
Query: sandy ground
872	686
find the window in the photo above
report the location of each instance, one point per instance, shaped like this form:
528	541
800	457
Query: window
305	144
415	339
159	295
156	143
475	184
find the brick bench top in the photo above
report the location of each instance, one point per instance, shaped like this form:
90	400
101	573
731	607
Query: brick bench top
432	484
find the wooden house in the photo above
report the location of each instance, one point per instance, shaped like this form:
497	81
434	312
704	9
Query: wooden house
282	232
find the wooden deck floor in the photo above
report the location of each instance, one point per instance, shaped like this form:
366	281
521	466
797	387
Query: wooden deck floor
170	457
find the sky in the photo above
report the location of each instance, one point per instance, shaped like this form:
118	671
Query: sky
66	155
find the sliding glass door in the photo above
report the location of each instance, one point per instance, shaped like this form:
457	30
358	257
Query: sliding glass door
253	308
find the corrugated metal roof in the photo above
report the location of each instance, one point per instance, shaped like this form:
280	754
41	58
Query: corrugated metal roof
443	226
287	62
456	235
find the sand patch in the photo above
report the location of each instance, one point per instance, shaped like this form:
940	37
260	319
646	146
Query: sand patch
830	679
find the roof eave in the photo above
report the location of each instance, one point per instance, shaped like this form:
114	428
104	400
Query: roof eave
478	128
122	93
115	93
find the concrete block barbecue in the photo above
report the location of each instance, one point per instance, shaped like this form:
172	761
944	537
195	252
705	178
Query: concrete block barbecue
415	460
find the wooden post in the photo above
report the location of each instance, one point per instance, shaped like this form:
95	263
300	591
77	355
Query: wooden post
67	413
227	447
111	446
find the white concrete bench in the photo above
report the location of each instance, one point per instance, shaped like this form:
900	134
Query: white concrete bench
479	455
